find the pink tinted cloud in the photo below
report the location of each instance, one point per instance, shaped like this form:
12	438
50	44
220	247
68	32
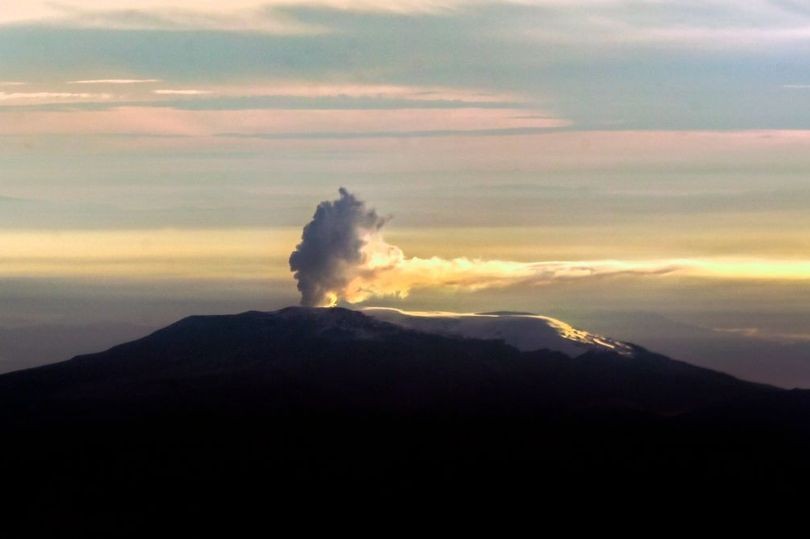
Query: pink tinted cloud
165	121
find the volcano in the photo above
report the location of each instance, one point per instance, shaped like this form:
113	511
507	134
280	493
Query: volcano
380	359
238	413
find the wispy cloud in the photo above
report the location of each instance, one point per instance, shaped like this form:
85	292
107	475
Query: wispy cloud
199	12
767	335
325	89
237	15
50	97
712	22
278	122
182	92
114	81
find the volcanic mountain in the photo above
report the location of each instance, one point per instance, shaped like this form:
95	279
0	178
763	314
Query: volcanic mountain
346	359
242	412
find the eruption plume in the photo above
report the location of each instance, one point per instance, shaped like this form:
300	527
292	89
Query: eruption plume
343	256
332	249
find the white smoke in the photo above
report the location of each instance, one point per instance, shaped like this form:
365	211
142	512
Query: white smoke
343	256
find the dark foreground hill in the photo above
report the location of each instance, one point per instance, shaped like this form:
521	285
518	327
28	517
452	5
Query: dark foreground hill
261	414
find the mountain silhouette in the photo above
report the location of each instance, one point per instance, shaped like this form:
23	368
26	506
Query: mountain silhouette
240	412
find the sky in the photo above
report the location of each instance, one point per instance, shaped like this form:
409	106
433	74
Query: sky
159	159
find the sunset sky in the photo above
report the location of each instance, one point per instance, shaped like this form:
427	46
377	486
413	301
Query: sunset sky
159	159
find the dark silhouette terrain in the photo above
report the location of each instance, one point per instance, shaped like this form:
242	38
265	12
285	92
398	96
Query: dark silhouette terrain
258	415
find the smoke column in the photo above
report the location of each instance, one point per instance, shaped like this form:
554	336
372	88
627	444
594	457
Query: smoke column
332	248
343	256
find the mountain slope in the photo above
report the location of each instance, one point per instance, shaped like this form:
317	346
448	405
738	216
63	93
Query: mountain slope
524	331
305	356
261	415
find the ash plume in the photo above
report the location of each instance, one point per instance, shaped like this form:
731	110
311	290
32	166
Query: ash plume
343	256
331	248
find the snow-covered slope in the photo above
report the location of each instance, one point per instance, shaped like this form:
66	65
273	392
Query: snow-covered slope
524	331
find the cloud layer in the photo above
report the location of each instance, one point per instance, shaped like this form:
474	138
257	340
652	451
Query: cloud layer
708	23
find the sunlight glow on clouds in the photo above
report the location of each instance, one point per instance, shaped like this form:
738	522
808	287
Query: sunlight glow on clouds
393	274
312	90
243	254
324	89
649	142
50	97
713	22
343	256
182	92
195	13
151	14
165	121
152	254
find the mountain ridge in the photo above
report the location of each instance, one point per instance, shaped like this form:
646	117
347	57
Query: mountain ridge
286	342
252	413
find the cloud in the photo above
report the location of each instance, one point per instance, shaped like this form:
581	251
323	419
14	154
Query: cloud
711	22
290	93
325	89
343	256
50	97
263	123
314	95
236	15
182	92
767	335
607	73
197	13
114	81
